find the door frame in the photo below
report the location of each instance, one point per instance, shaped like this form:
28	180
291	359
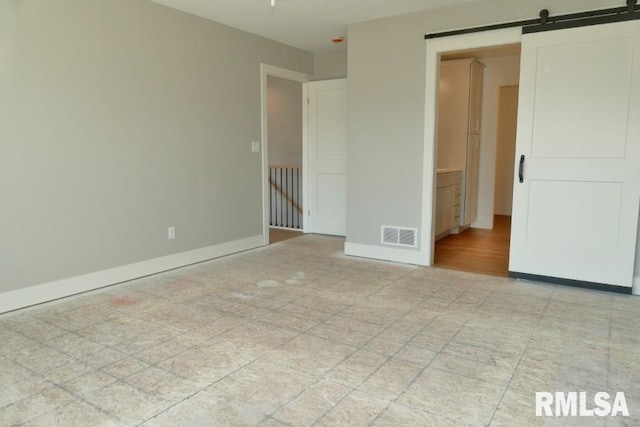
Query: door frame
266	71
435	48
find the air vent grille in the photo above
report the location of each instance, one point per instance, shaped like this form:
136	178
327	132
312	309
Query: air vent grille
399	236
390	236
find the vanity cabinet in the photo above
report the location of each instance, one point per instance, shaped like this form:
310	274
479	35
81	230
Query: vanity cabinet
448	196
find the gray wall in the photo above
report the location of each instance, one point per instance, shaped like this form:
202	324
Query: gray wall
119	118
331	64
386	107
284	98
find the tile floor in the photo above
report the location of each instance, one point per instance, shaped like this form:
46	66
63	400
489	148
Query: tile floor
298	334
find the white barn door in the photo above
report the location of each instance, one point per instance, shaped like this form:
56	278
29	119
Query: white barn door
326	157
575	212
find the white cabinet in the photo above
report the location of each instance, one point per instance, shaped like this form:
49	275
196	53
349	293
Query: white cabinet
448	185
459	127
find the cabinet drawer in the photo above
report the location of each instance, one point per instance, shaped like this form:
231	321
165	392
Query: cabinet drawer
445	179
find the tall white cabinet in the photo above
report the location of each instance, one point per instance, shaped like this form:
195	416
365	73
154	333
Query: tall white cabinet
459	126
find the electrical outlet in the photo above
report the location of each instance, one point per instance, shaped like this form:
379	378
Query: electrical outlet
171	233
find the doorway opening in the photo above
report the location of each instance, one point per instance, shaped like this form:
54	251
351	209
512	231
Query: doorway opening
282	153
475	155
284	128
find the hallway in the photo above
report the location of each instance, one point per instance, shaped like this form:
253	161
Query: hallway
477	250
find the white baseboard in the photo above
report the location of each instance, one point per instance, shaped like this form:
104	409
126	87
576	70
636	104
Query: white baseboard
636	286
37	294
405	256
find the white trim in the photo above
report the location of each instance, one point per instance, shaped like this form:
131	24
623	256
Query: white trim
265	71
435	47
306	220
37	294
385	253
636	286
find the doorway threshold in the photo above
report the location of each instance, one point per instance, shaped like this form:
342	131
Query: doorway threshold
477	250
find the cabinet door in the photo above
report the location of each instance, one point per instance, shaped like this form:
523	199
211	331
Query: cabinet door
475	97
440	209
456	204
471	179
448	207
453	114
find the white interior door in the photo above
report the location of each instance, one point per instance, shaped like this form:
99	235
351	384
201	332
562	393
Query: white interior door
575	213
327	157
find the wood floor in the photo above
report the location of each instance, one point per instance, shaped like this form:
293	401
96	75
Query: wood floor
477	250
278	235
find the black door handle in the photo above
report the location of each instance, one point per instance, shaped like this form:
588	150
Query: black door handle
521	169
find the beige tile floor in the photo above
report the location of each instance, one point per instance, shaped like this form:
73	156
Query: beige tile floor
298	334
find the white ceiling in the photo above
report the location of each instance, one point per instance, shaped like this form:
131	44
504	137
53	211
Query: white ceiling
305	24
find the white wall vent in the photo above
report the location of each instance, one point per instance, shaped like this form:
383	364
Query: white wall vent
400	236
